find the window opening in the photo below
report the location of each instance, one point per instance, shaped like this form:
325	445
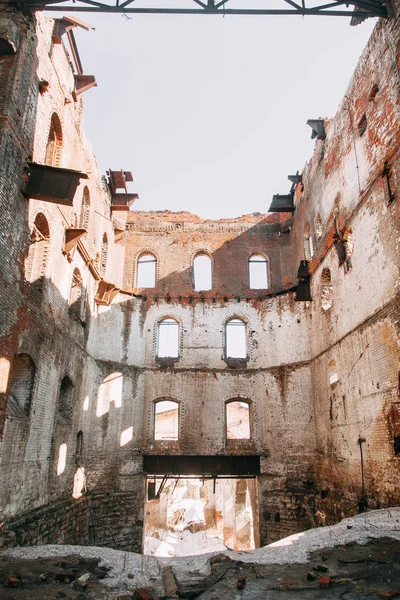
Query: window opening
238	420
318	227
79	447
326	289
38	254
258	272
373	93
395	426
65	399
146	271
236	346
168	338
76	298
332	371
166	420
103	256
386	174
362	125
202	269
199	514
21	382
308	243
85	209
54	142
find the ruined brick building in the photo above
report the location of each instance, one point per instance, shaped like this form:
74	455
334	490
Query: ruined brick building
260	354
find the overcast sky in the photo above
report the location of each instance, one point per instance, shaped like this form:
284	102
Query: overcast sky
209	113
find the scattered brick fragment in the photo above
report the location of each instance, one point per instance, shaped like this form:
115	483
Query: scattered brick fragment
324	582
143	594
13	582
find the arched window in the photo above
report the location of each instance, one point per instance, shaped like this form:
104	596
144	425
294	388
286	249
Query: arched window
235	339
258	272
308	243
66	399
326	289
103	256
79	446
37	259
166	420
85	209
54	142
202	272
237	420
168	338
21	382
76	297
318	226
146	271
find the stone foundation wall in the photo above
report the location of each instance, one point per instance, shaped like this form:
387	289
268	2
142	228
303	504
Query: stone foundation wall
112	519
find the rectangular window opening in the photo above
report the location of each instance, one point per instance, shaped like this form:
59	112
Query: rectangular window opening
196	515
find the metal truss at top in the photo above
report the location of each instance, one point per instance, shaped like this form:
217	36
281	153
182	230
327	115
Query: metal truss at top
358	10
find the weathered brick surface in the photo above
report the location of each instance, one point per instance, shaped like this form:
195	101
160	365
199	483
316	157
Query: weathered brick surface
305	428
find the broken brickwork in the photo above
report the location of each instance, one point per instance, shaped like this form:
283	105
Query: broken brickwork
320	378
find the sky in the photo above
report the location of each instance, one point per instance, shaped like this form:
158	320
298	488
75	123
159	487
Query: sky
209	113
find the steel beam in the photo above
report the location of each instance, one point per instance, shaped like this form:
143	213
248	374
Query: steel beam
362	8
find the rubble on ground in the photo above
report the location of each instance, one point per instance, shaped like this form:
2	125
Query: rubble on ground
353	560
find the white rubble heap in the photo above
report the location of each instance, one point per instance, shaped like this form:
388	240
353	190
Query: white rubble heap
128	570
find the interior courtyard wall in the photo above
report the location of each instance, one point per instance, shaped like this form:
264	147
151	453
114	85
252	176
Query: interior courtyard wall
346	186
36	320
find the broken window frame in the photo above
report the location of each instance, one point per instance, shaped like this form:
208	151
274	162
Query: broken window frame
141	260
234	322
255	259
178	418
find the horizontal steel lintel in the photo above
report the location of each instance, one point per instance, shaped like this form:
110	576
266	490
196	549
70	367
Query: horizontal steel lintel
75	7
203	477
